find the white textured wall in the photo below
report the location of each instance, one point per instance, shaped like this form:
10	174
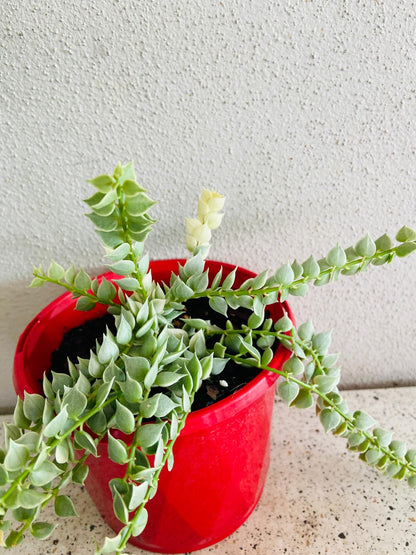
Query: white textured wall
303	114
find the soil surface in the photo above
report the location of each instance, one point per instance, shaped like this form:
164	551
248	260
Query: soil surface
78	342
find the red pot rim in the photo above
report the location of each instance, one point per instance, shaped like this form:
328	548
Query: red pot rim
219	411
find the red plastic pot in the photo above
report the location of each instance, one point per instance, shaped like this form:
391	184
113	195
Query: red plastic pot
221	457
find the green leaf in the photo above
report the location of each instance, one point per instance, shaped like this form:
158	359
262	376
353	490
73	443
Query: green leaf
305	331
258	306
33	406
303	400
16	456
260	280
55	271
329	419
148	407
309	371
120	509
19	417
323	280
321	342
299	290
218	304
393	469
107	199
181	291
104	223
117	450
119	253
288	391
140	523
31	439
229	280
128	284
75	402
137	495
123	267
83	440
57	424
31	498
79	474
411	480
62	452
336	256
60	380
255	320
217	279
284	324
165	406
384	243
383	436
139	204
84	304
297	269
95	369
372	456
143	266
399	448
293	366
405	249
329	361
111	544
124	331
42	530
362	420
113	371
21	515
355	439
284	275
111	239
199	283
132	390
411	456
36	282
108	350
266	357
406	234
311	268
165	379
70	275
131	188
82	281
365	246
44	474
64	506
106	291
325	383
149	434
124	419
103	183
4	476
251	350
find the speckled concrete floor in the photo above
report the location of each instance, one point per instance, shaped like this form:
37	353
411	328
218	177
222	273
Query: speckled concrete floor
319	499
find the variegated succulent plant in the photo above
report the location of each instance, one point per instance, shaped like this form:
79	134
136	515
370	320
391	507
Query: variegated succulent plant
119	386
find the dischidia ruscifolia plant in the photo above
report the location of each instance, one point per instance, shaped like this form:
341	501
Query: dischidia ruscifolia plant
142	379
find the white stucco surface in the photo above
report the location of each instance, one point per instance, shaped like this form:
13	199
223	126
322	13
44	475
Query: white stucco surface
303	114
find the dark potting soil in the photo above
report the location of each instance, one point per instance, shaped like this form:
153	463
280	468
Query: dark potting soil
79	341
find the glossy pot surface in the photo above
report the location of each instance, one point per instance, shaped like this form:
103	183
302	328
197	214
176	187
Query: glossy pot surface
221	457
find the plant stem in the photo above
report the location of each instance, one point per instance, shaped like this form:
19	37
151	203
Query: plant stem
362	262
76	292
